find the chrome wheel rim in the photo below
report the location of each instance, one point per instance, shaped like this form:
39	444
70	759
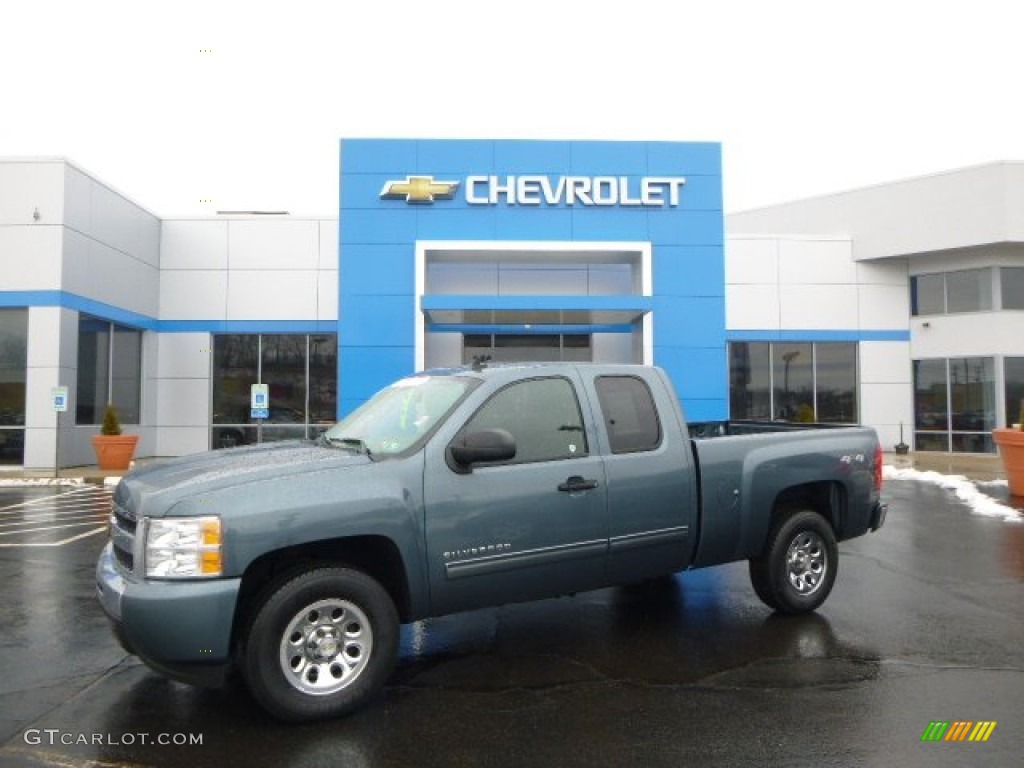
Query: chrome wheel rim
325	647
806	563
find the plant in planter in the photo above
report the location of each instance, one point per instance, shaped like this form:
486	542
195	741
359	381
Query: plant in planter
1011	448
113	449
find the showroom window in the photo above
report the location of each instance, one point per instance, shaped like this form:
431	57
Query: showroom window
301	372
109	371
783	381
955	404
967	290
13	367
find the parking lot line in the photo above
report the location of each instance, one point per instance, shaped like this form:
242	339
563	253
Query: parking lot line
56	543
62	516
48	498
48	521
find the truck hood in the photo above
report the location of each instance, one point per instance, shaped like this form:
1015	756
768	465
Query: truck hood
153	490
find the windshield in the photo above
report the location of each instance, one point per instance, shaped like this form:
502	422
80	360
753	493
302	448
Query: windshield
397	417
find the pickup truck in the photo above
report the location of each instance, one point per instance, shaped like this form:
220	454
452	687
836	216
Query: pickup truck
295	563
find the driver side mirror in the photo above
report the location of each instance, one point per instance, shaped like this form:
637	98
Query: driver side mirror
485	445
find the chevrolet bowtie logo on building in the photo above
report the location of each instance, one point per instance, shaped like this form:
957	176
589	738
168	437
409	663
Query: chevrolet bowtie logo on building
537	190
419	189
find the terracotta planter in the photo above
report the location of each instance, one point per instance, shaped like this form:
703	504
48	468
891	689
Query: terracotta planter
114	451
1011	448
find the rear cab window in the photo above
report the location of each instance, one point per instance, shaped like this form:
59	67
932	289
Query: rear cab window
630	417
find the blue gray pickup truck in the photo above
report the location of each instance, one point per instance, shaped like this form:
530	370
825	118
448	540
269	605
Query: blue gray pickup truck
296	563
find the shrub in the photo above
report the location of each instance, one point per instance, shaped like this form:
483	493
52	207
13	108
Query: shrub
111	425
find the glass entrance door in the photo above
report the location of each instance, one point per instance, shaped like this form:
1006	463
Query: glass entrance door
521	348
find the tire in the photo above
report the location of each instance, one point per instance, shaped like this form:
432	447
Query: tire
759	580
799	565
320	644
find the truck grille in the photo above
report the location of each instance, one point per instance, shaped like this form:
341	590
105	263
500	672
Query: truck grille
124	520
123	525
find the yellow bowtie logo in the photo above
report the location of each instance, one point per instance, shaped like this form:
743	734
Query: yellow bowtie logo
419	189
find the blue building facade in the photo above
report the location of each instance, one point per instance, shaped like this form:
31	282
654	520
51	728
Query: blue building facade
450	239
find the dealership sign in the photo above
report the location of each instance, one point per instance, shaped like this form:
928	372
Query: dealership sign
645	192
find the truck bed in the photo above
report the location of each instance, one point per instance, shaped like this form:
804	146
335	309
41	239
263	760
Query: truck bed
746	475
709	429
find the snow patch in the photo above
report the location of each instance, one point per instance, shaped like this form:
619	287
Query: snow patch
965	490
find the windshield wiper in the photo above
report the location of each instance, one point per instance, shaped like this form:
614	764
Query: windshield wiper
355	443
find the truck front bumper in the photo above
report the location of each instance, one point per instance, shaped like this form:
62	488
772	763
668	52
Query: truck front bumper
180	628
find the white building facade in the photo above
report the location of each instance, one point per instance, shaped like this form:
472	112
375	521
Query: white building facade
946	253
899	306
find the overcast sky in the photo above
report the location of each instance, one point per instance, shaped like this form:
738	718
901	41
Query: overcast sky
243	103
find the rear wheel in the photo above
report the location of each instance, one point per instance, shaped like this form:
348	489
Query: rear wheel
798	568
321	644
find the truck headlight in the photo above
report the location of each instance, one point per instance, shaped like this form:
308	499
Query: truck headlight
183	548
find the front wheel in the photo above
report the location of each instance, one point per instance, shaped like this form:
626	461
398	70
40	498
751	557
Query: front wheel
321	644
798	568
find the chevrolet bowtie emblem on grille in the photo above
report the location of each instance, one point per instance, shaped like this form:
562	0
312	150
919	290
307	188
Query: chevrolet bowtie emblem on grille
419	189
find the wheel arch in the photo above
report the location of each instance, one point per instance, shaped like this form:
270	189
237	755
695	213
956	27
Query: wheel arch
376	556
826	497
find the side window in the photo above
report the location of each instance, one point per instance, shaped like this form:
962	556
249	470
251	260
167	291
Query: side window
629	413
543	415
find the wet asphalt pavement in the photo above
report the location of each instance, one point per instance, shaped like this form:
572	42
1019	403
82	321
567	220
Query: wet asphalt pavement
926	622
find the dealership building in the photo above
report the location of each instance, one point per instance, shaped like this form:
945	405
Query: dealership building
899	306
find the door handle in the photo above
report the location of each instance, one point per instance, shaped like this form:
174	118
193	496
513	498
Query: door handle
577	483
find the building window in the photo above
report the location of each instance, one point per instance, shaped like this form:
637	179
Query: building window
13	367
793	381
1013	385
931	396
1012	286
513	348
955	404
750	388
109	371
928	294
301	372
968	290
835	383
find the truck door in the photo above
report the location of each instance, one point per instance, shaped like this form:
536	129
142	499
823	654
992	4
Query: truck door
651	494
531	527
